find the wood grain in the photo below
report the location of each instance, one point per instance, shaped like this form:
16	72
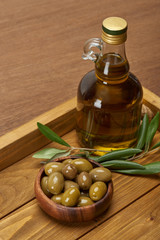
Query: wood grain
26	139
151	100
139	221
31	222
23	173
42	43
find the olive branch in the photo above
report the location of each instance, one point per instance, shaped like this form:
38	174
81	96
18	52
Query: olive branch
116	160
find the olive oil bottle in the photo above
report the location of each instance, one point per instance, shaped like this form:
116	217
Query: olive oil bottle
109	97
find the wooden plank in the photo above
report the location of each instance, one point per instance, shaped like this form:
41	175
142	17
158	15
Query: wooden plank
141	220
31	222
27	138
23	173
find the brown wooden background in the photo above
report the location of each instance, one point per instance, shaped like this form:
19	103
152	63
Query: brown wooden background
41	43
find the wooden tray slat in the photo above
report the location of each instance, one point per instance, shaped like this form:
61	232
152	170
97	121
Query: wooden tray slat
31	221
151	100
26	139
141	220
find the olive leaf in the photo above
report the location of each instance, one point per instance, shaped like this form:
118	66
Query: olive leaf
118	154
46	131
95	158
156	146
153	126
58	155
151	168
143	132
122	164
48	153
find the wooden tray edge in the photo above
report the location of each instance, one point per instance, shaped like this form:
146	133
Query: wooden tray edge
26	139
151	100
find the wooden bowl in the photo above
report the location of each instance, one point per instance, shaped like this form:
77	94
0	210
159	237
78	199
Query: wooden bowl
72	214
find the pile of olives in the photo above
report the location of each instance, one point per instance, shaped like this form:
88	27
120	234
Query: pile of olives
74	182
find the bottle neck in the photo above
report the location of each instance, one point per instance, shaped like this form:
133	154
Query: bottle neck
117	49
112	65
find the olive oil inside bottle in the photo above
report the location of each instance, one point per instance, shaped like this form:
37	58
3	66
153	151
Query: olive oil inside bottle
112	67
109	105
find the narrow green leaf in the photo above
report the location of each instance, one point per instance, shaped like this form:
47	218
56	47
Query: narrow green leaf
151	168
143	132
46	131
48	153
122	164
156	146
117	154
153	126
154	166
95	158
58	155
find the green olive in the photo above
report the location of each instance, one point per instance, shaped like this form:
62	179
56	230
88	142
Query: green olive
100	174
55	182
69	171
44	187
69	160
82	165
84	201
69	184
57	198
97	190
53	167
84	180
70	197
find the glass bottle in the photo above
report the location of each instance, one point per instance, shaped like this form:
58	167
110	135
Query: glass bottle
109	97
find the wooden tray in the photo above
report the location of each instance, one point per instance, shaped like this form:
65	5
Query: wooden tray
136	200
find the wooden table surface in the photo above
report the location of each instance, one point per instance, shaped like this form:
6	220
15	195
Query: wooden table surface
41	44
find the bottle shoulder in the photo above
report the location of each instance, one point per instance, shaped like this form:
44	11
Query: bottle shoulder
91	89
88	80
87	86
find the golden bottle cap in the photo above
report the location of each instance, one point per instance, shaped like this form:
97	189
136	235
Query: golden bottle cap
114	30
